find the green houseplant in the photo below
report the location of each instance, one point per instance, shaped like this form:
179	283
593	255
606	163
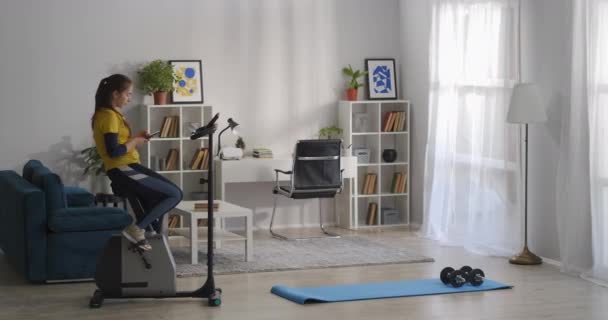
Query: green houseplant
93	166
352	85
240	143
330	132
157	78
93	162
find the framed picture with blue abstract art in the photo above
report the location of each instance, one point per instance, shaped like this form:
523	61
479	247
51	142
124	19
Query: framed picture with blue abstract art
189	84
381	79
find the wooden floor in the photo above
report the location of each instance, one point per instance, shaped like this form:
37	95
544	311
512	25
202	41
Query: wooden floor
541	292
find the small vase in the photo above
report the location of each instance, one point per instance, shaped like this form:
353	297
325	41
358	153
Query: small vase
160	97
351	94
389	155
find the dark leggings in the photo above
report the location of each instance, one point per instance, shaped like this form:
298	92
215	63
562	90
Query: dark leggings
142	186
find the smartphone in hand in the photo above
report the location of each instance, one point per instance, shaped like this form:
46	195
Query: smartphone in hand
151	135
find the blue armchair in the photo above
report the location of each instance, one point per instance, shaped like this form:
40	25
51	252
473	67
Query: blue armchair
49	232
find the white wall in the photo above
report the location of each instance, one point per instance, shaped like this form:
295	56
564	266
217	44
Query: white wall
415	34
546	61
55	52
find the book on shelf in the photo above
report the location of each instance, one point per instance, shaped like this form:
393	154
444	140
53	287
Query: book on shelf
203	206
262	153
200	159
372	208
369	185
394	121
399	183
169	127
164	127
172	160
173	221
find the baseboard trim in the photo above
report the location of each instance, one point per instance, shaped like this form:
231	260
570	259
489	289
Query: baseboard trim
552	262
69	280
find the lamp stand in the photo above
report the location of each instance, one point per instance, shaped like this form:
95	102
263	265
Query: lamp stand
526	257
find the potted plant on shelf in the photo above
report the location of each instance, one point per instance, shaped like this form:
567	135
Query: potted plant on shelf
100	183
157	78
353	84
330	132
240	143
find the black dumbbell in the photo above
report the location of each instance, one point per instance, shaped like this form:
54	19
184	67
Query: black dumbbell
455	278
476	277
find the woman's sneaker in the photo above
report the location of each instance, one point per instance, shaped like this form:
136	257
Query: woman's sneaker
137	236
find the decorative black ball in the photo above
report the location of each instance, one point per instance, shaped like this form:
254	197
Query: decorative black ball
389	155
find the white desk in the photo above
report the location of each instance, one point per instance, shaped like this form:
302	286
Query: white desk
251	169
196	234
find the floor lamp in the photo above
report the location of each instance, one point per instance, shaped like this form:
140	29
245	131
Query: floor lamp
525	108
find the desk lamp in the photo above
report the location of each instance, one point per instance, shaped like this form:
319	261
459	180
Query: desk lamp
231	125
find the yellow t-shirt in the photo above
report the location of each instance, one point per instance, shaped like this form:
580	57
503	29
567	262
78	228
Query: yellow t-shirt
109	121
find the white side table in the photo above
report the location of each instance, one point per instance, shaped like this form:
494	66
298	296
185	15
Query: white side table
199	234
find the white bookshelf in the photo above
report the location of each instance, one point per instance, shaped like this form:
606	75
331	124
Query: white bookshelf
369	134
188	180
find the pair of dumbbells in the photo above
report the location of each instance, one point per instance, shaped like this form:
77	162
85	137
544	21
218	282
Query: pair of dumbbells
457	278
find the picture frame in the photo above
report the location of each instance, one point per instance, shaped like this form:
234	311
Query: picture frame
189	86
381	79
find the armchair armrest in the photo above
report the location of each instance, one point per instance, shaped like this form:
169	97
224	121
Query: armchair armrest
88	219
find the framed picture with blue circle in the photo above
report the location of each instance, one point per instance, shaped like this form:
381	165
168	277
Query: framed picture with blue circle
188	87
381	79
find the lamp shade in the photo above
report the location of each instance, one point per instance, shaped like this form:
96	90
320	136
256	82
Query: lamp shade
526	105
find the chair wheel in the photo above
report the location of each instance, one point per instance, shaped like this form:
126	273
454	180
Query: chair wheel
215	300
96	300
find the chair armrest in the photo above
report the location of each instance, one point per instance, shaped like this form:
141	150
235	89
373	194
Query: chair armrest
88	219
341	181
277	171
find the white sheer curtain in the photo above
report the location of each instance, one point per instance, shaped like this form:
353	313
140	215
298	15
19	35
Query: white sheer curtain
472	166
598	135
583	191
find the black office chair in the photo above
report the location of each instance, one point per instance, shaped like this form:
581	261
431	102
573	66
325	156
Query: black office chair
316	173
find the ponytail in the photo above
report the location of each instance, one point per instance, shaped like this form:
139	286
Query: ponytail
103	96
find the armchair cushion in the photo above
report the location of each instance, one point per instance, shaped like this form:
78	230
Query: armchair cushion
88	219
78	197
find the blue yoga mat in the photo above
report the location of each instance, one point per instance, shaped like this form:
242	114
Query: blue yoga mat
378	290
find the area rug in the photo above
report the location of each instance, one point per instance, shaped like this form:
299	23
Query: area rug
280	255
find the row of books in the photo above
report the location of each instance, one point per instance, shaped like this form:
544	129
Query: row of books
399	183
369	184
200	160
394	121
170	127
172	160
262	153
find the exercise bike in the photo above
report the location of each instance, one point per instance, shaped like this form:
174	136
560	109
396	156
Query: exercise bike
125	271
